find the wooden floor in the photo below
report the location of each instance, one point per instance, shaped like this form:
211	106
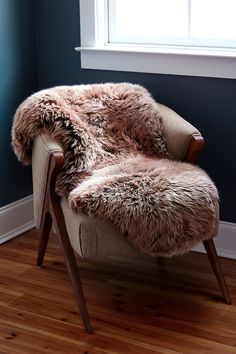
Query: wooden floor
136	306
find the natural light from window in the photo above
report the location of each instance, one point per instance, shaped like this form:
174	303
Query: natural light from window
176	37
173	22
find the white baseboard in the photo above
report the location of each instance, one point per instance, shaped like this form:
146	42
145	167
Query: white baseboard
225	241
16	218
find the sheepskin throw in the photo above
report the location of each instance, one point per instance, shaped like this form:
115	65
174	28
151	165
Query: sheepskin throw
117	166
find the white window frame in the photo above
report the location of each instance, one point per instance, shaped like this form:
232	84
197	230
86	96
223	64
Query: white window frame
96	53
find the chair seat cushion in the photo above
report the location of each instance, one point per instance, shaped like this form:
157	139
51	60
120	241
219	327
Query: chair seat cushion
163	207
91	237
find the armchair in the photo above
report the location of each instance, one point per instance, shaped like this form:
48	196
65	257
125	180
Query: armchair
92	237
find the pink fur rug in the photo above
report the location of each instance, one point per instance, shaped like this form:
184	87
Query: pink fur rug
117	166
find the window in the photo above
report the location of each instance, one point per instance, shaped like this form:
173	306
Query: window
209	23
186	37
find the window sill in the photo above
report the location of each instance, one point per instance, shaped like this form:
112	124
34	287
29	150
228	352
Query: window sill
213	62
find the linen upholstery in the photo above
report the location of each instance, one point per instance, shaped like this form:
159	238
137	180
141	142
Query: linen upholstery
91	237
177	132
42	149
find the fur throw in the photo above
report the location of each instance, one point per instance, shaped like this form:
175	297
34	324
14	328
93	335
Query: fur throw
117	166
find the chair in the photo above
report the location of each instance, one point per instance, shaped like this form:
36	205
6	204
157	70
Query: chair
91	237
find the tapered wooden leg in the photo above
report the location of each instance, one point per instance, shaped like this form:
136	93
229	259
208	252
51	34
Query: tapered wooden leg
43	240
215	263
74	275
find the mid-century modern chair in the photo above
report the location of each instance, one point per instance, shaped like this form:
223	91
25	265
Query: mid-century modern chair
92	237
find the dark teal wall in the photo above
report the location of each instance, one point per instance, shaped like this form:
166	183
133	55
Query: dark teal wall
18	78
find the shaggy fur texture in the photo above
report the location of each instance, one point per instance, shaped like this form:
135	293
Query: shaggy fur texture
116	164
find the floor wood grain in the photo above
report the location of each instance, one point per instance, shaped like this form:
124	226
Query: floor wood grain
136	306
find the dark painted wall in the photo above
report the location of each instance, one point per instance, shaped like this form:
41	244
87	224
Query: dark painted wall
18	78
209	104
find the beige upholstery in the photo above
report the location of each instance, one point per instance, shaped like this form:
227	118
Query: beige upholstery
43	147
92	237
177	132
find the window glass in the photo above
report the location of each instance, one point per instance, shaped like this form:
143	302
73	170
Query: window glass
174	22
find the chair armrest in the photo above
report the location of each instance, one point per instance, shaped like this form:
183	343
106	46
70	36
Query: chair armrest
178	132
43	147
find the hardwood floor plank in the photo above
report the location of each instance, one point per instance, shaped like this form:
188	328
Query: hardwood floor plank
73	334
22	339
137	306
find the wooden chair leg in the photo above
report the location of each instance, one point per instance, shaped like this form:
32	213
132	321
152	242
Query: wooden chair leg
53	212
74	276
215	263
43	240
